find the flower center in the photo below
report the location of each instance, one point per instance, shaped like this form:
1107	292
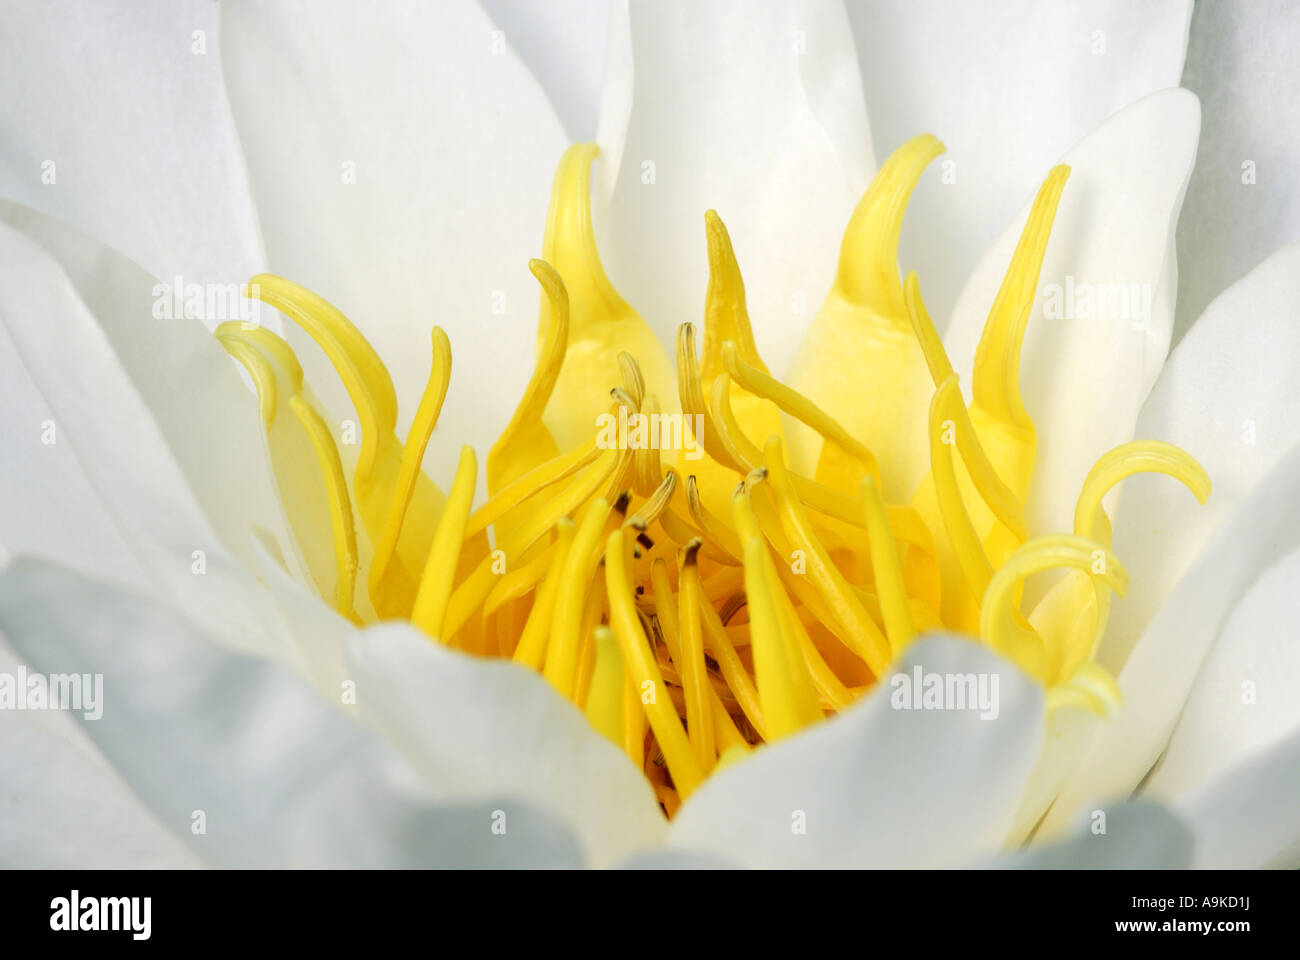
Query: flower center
767	565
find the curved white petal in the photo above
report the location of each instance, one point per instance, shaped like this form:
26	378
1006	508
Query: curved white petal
1244	699
476	728
48	506
878	786
316	629
1248	817
1157	677
1009	87
141	423
1242	202
181	372
113	118
401	157
1228	397
563	43
754	110
64	806
1085	372
279	774
1132	836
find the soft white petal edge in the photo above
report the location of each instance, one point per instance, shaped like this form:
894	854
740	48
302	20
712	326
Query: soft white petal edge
1244	699
1157	677
1141	835
475	727
754	110
563	44
1228	397
1248	817
1242	202
1009	87
244	762
65	808
114	119
127	453
878	786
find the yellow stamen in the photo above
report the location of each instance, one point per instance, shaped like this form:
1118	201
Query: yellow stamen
888	569
440	569
605	695
562	652
1002	627
390	596
699	716
537	631
345	538
643	670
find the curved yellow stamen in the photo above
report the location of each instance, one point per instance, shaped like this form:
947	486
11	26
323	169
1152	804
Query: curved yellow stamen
790	682
796	405
996	383
863	636
363	374
430	607
966	544
537	631
345	537
1091	687
996	494
726	317
390	597
605	695
562	653
699	714
643	670
888	570
1003	628
1139	456
525	442
868	266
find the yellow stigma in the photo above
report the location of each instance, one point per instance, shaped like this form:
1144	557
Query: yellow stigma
692	579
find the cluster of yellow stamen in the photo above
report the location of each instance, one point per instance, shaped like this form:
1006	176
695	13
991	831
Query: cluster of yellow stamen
694	608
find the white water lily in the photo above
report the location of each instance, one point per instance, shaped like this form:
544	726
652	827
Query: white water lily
173	530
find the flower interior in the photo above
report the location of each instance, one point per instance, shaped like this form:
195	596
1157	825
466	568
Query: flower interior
700	597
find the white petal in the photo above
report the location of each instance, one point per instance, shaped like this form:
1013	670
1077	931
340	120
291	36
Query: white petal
1009	87
183	375
48	506
279	774
317	631
65	808
1084	377
1241	63
1228	397
879	786
114	119
1248	817
752	109
1244	699
402	164
99	381
563	43
1137	836
474	728
1157	677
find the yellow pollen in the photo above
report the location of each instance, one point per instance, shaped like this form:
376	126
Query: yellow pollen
697	599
